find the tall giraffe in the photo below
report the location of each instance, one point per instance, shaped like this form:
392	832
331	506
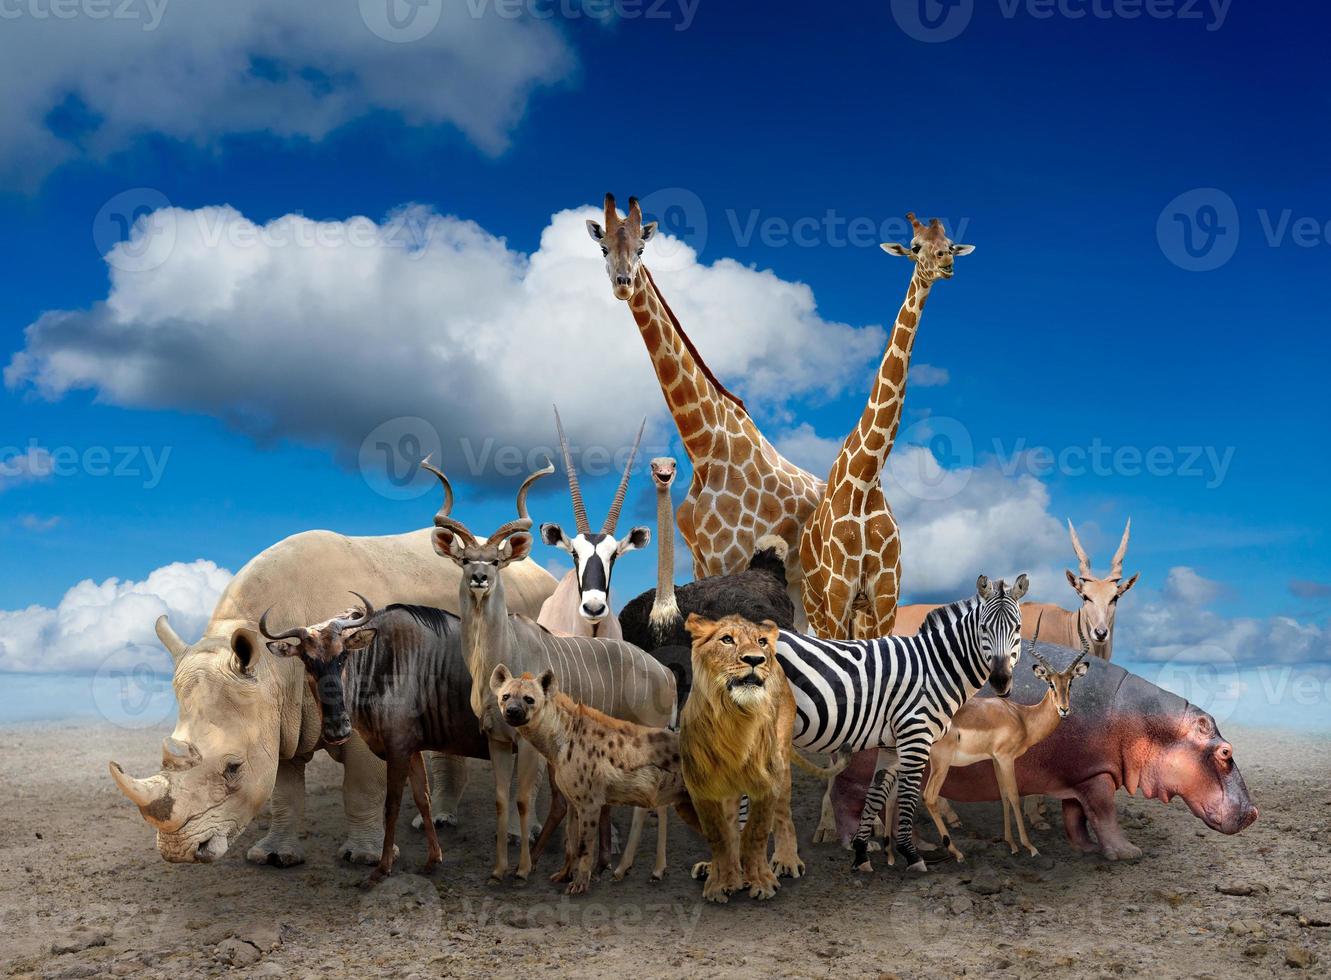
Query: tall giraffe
850	549
742	488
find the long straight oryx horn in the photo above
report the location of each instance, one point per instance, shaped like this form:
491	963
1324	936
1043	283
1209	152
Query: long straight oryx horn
612	518
1084	568
524	521
297	633
442	519
1116	568
575	491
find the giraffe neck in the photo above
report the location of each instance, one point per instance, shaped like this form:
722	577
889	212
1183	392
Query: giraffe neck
701	406
866	448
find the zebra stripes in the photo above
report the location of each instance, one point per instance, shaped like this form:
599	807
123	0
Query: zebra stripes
901	693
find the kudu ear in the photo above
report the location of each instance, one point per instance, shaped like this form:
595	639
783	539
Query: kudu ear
515	548
648	230
595	230
639	537
447	544
1124	586
498	678
895	248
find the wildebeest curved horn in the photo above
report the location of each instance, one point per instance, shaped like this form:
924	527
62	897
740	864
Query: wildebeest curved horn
447	509
367	609
612	518
574	490
1116	568
141	792
170	638
298	633
524	521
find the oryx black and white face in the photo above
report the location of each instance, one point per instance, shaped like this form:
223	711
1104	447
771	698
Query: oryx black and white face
594	556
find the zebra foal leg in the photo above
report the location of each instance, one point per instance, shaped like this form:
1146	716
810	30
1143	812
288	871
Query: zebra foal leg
908	797
884	781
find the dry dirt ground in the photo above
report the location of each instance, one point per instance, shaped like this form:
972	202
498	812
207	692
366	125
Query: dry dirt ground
83	893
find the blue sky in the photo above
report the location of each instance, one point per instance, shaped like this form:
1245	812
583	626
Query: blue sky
1055	144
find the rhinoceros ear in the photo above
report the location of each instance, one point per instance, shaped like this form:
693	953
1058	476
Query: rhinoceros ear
245	645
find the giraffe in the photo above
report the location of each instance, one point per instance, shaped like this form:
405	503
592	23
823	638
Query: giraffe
742	488
850	549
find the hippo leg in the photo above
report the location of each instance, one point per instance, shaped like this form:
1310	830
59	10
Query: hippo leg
1074	825
280	847
1098	797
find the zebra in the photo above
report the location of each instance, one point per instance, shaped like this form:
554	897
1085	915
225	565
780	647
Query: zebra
898	694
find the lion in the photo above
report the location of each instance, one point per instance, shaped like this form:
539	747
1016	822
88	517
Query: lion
734	737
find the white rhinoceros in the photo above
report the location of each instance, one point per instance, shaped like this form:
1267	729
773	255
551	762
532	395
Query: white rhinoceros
248	722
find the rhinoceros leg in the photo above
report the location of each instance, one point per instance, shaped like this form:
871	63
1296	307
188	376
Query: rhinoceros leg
448	780
364	784
280	847
1097	796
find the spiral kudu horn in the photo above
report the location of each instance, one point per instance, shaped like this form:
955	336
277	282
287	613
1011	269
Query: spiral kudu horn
612	518
442	519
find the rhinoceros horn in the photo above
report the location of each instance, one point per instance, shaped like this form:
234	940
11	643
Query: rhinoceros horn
152	795
170	638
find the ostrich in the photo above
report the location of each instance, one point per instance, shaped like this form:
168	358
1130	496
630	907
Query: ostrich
654	620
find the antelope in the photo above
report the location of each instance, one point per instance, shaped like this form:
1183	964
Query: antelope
611	676
580	605
1001	731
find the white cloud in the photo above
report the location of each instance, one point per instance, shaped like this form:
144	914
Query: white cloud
928	376
98	626
298	68
1176	625
37	524
31	466
323	331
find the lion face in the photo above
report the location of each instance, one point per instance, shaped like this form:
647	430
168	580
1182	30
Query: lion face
735	656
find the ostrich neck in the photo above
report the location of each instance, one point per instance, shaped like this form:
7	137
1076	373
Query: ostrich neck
665	545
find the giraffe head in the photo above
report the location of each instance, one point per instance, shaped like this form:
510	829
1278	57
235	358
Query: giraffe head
1099	596
622	241
930	249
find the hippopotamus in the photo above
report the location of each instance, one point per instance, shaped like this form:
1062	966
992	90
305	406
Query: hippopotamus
1123	731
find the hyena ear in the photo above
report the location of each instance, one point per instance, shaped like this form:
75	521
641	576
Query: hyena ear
498	678
548	686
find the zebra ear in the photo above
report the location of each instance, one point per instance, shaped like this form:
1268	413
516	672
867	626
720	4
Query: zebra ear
1019	590
983	587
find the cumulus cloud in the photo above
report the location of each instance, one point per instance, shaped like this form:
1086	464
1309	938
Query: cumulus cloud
1177	625
1306	589
928	376
89	81
98	626
323	331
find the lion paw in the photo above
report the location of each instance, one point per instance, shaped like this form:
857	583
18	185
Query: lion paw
701	871
784	867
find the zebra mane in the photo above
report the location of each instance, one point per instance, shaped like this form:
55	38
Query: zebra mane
939	617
